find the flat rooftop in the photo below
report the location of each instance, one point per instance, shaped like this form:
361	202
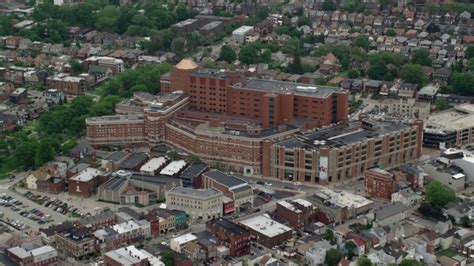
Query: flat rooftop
193	192
183	239
275	86
173	168
461	117
115	118
225	179
153	164
86	175
343	198
229	226
265	226
339	137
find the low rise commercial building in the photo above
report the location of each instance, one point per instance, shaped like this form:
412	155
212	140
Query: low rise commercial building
199	204
380	183
238	194
231	235
28	255
239	35
177	243
410	106
75	243
95	222
84	184
266	231
131	256
299	212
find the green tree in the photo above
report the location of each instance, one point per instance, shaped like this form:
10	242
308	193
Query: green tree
227	54
167	258
390	32
438	194
295	67
328	5
410	262
81	104
351	249
469	53
466	221
441	104
352	73
377	70
471	64
248	54
178	46
362	41
421	57
44	153
328	235
194	159
364	261
76	67
463	83
25	153
173	155
413	74
333	256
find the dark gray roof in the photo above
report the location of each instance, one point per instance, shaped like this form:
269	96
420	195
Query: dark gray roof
242	188
229	226
116	156
227	180
298	88
105	215
114	183
338	137
134	161
389	211
194	170
203	193
160	179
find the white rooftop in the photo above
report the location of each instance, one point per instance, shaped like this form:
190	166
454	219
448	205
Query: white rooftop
289	206
131	255
265	226
173	168
126	227
153	164
344	198
461	117
242	30
183	239
86	175
303	202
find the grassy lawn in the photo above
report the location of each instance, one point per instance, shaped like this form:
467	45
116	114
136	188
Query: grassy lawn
448	253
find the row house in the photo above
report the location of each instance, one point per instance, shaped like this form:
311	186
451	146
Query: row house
74	85
121	235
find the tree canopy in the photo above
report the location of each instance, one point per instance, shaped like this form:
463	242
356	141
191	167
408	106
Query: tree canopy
421	57
227	54
413	74
333	256
438	194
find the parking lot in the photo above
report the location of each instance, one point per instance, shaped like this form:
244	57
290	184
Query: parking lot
56	205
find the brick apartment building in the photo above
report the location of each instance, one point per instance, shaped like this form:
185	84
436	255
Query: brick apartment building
98	221
380	183
27	255
84	184
298	212
232	235
69	84
75	243
238	191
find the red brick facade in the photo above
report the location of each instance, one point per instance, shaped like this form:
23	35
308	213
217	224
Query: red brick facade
380	184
